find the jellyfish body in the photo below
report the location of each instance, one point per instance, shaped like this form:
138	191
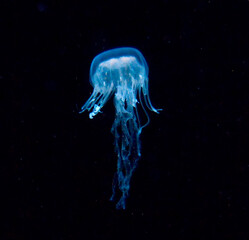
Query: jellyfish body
124	73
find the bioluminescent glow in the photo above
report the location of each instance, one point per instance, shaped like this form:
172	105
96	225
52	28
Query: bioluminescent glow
124	73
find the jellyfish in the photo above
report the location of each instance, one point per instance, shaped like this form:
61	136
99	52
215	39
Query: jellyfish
122	72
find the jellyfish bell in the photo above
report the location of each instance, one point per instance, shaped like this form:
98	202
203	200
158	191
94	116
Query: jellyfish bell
124	73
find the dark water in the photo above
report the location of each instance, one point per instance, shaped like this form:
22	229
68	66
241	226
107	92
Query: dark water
192	179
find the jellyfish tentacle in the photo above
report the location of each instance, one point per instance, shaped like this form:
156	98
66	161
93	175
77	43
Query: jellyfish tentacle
147	115
147	97
97	101
127	120
99	104
90	102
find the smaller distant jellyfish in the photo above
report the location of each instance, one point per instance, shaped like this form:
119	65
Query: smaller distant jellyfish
124	73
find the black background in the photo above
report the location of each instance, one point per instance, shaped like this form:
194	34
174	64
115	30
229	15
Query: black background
192	179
